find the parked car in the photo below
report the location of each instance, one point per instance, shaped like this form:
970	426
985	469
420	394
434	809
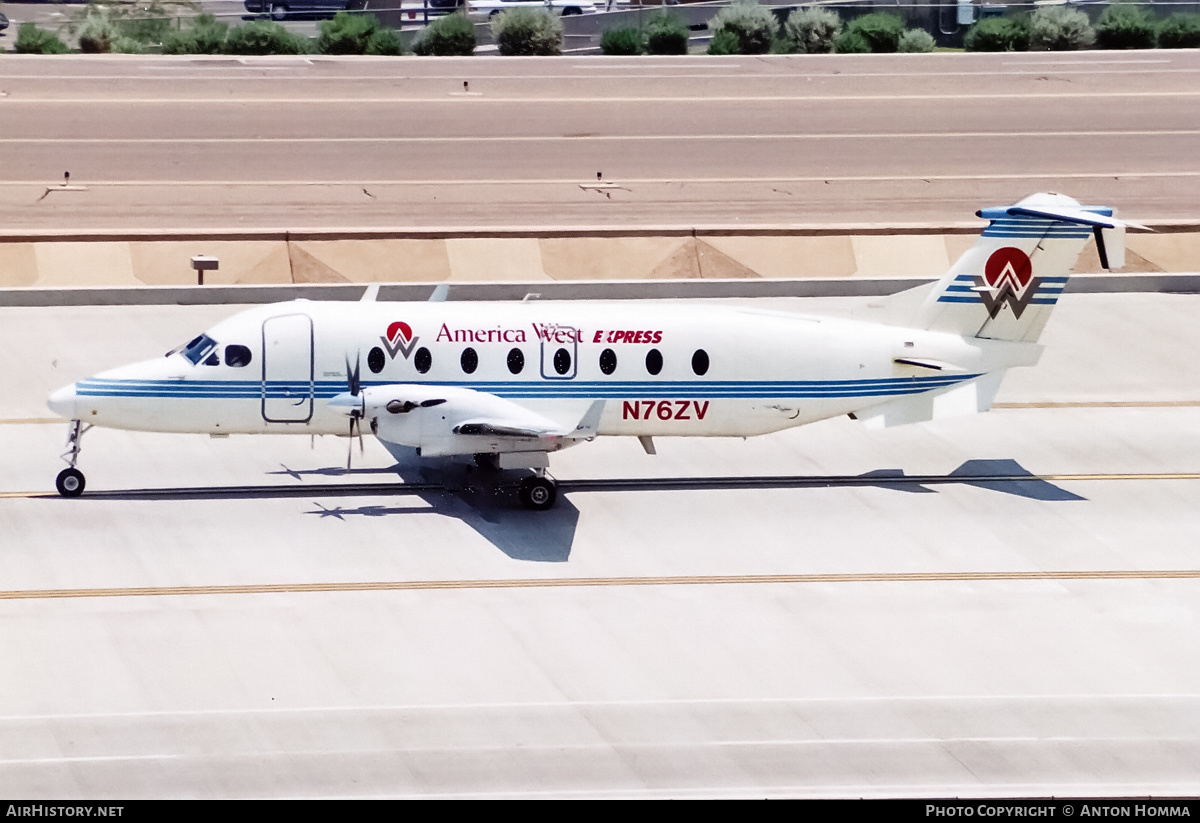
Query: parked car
3	22
489	8
280	9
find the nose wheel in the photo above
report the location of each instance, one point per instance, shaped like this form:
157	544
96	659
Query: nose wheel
70	481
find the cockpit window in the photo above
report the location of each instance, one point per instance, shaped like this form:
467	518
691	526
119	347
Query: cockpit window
237	356
198	348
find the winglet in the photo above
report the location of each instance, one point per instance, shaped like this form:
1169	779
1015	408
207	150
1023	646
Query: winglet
370	294
440	292
589	424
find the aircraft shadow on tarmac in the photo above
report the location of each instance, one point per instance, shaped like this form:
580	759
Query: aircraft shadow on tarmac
487	500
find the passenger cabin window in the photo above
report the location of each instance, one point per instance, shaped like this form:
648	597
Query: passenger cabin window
654	361
469	360
562	361
198	348
237	356
375	361
516	361
700	361
423	360
608	361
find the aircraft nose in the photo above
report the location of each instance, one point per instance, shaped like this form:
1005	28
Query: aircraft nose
62	402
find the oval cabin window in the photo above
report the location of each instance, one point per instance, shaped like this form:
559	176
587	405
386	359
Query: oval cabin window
423	360
700	361
469	360
516	361
375	360
608	361
654	361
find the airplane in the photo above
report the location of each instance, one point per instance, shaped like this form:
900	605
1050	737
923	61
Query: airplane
505	384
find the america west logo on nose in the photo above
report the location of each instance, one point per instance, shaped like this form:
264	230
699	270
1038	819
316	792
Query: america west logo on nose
1007	278
399	340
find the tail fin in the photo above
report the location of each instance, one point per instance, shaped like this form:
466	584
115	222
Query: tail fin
1006	285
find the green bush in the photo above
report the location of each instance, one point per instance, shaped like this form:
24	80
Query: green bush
264	37
916	41
666	34
385	42
1058	28
449	36
881	31
753	25
351	34
1124	26
32	40
623	41
1179	31
998	34
98	33
851	42
523	32
204	36
811	30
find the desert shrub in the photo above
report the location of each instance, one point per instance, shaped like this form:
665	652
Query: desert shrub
1179	31
449	36
881	31
204	36
1058	28
32	40
916	41
724	42
1124	26
666	34
385	42
998	34
348	34
98	33
851	42
526	31
753	25
264	37
811	30
623	41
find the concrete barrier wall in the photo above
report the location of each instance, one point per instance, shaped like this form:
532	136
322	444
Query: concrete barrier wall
648	257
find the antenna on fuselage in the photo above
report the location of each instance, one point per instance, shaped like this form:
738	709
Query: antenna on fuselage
371	294
440	292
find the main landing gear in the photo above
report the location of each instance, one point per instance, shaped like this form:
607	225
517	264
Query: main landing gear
70	481
538	492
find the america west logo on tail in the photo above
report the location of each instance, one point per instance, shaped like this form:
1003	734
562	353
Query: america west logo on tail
1007	280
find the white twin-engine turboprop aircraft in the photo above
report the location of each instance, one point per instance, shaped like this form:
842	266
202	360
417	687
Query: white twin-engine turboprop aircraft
505	384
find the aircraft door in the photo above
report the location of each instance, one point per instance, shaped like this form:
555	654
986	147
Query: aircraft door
560	353
287	369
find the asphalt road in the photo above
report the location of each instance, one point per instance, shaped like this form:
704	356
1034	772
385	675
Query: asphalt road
845	139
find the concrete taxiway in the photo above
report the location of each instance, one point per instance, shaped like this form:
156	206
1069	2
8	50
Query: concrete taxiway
1000	604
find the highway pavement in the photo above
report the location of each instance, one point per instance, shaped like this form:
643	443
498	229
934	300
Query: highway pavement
315	142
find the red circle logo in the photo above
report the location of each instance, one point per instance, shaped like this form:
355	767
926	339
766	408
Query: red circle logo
1008	265
399	331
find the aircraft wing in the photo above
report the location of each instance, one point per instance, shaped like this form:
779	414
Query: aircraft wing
447	420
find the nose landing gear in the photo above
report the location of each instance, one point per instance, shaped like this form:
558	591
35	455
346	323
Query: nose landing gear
70	481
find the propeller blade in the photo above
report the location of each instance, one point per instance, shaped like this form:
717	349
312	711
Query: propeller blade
352	376
350	445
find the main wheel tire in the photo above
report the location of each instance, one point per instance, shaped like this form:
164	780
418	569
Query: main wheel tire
538	493
571	10
70	482
278	12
